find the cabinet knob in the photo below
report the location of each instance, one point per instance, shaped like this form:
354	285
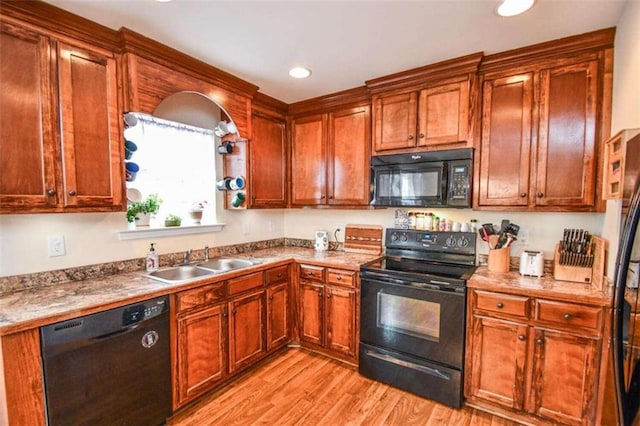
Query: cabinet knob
51	192
319	294
410	137
567	317
233	312
539	341
279	275
421	135
270	297
523	194
540	195
322	197
339	278
328	295
521	337
224	314
72	192
500	305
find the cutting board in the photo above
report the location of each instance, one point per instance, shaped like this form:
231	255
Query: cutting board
363	239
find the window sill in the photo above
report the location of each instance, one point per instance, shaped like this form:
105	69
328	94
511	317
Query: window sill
148	232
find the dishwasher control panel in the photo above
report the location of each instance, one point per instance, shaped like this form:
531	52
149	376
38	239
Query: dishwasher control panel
136	313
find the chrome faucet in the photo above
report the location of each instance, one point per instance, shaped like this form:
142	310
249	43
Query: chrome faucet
185	257
206	252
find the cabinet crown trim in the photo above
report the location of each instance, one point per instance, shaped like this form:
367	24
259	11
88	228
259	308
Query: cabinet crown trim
468	64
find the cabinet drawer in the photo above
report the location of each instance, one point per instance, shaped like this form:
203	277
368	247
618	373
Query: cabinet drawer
312	273
276	275
502	303
341	277
200	296
562	313
247	282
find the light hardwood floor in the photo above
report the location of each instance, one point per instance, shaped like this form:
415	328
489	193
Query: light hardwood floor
297	387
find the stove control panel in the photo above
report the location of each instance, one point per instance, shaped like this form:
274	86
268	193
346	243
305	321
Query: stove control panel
444	242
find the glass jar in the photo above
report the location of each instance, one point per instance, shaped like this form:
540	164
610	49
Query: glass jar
435	223
412	220
419	220
428	222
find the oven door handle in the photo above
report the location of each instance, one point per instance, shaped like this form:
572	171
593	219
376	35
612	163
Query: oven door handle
407	364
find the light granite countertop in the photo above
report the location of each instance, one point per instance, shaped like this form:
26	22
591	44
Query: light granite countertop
514	283
35	307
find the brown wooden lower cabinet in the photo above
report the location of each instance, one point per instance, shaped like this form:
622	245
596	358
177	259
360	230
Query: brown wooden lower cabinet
516	359
328	310
219	335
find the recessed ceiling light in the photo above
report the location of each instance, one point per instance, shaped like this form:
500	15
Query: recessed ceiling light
299	72
163	1
514	7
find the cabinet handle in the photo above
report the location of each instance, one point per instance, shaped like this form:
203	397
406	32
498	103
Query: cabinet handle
421	135
322	197
540	195
521	337
539	341
328	295
51	192
339	278
331	197
410	137
567	317
233	312
523	194
500	305
72	192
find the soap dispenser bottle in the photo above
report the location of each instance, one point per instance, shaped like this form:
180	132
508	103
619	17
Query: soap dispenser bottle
152	259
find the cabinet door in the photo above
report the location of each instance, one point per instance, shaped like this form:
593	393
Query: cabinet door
268	162
565	370
348	164
443	114
498	366
277	315
246	330
395	122
90	120
311	312
505	146
28	140
308	161
200	354
567	154
341	320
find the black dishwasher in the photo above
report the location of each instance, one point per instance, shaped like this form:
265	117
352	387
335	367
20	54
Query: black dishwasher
109	368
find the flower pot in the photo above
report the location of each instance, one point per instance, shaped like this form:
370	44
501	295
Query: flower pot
196	216
143	219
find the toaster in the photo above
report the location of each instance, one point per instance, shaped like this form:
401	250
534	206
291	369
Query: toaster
532	263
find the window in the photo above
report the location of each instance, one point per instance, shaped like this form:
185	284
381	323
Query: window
176	161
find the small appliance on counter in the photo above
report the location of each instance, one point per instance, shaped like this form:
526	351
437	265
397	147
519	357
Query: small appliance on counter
532	263
321	240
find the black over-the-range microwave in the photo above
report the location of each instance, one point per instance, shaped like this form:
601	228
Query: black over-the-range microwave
423	179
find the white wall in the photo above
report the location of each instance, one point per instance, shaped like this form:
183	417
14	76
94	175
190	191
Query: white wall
626	103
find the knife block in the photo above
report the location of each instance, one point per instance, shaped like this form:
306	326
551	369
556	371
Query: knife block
593	274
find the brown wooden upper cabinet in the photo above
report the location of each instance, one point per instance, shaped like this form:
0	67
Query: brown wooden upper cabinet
330	158
268	159
60	144
542	130
426	119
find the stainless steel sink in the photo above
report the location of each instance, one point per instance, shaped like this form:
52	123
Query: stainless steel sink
180	273
225	264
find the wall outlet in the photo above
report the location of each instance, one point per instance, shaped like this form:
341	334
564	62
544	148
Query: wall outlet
245	228
56	245
270	225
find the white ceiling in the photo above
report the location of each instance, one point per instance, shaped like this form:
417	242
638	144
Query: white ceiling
345	43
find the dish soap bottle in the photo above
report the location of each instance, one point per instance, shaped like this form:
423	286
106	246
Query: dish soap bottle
152	259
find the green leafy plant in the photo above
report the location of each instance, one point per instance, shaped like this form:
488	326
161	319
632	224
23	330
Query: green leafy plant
172	220
149	205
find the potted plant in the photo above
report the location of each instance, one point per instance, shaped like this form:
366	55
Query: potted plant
196	210
139	212
172	220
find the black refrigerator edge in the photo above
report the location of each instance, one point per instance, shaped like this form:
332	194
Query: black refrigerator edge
626	303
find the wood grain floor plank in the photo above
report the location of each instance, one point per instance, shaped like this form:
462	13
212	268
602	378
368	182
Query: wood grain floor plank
297	387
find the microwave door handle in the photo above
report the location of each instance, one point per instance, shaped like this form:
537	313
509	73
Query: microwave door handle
444	181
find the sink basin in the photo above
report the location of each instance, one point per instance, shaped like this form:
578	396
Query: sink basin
225	264
180	273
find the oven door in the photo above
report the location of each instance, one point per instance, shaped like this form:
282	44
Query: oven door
418	319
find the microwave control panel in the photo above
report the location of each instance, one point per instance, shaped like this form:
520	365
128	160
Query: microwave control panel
459	183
